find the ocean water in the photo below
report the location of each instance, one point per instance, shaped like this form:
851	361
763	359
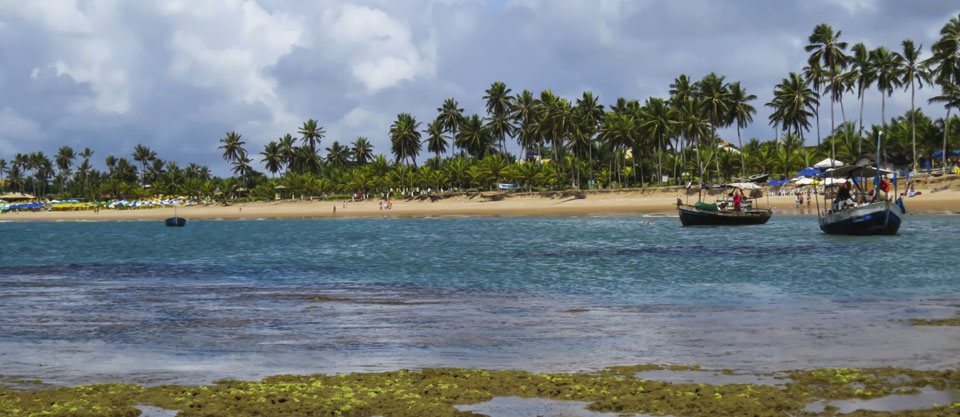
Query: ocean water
136	301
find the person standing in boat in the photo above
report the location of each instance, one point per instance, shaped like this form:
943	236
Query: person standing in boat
737	200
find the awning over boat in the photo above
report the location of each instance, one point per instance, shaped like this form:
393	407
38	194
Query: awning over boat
828	163
854	171
743	186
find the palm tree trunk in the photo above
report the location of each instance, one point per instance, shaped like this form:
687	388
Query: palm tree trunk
833	140
913	124
946	128
860	132
743	164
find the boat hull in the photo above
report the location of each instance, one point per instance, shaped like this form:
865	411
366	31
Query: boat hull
175	222
691	216
869	220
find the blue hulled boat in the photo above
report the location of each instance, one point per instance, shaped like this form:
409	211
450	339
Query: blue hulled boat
878	217
871	219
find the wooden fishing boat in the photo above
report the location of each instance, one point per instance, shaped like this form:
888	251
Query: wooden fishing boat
704	214
862	218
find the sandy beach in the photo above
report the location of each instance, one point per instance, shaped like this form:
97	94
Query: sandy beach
938	197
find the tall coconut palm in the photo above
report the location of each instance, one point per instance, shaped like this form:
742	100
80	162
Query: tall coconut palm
589	114
64	160
946	53
362	150
232	146
143	154
816	77
826	48
793	104
913	73
617	134
865	75
950	98
3	171
450	116
311	133
436	141
695	126
272	158
524	117
405	138
741	111
338	155
946	63
655	120
475	138
498	103
887	66
285	146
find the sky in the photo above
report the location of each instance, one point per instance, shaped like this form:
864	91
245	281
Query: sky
176	74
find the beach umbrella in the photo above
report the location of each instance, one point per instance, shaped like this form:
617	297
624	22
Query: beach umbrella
808	172
828	163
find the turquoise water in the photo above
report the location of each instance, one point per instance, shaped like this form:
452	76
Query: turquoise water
139	301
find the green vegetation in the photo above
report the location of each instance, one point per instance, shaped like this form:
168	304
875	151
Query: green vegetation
625	144
434	392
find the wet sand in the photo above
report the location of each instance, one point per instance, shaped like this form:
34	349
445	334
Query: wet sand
936	198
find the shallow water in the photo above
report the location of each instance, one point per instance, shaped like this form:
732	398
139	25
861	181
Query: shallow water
926	398
534	407
137	301
710	377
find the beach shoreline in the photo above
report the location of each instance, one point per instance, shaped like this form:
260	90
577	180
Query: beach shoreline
593	203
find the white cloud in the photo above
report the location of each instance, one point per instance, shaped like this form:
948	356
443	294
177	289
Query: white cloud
234	58
378	48
855	6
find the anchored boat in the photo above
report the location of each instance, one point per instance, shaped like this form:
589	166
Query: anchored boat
723	212
854	214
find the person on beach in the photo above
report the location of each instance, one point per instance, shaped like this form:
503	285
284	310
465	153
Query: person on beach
334	210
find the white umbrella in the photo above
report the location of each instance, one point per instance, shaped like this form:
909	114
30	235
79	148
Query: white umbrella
828	163
803	181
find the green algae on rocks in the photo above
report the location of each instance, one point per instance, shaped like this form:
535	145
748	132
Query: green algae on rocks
434	392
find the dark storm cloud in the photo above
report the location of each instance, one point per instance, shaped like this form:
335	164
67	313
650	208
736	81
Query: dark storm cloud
175	75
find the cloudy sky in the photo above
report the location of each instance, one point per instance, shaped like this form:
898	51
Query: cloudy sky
177	74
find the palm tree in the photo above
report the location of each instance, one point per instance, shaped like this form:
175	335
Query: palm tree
865	75
232	147
946	62
362	150
498	103
816	77
272	158
405	139
617	132
311	134
742	112
826	48
887	65
3	170
950	97
654	119
793	104
913	72
286	146
695	126
64	160
475	138
143	154
338	155
524	116
946	53
450	116
436	141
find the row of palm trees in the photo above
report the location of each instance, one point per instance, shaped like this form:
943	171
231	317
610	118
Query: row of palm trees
575	142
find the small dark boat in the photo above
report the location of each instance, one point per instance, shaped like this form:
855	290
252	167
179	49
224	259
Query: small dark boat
703	214
176	222
758	178
881	218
